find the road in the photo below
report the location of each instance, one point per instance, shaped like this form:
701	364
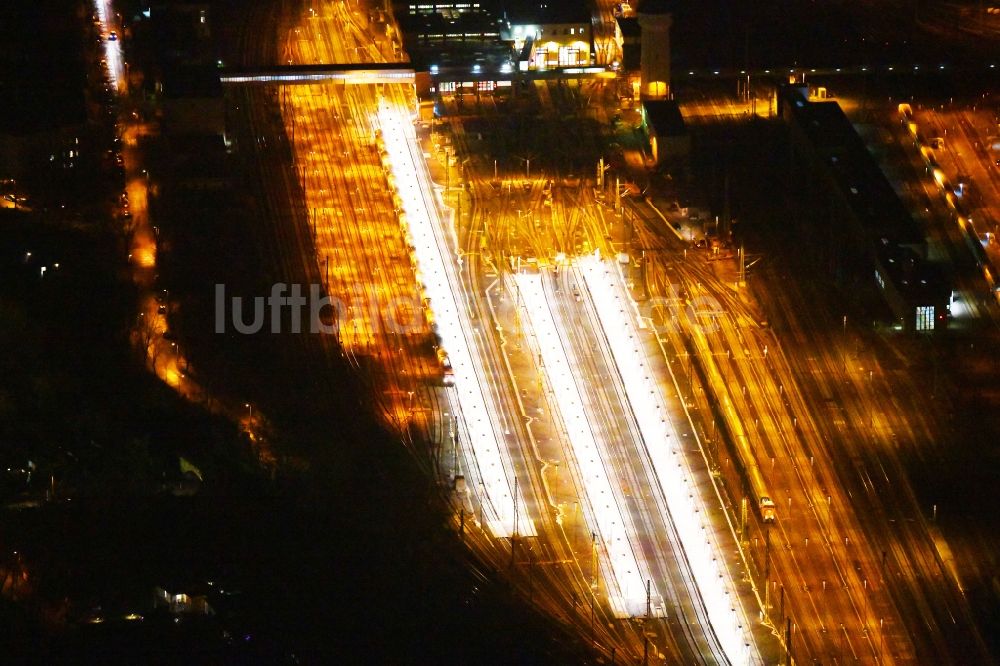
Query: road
111	23
922	176
969	162
150	334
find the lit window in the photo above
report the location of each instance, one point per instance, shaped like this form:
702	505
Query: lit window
925	317
569	56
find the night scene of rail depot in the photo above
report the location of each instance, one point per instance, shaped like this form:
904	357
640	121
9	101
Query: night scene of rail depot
500	332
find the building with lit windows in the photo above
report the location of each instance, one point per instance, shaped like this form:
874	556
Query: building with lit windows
453	36
550	37
862	233
446	23
916	291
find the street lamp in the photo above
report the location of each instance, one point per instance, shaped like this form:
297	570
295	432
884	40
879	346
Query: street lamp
527	166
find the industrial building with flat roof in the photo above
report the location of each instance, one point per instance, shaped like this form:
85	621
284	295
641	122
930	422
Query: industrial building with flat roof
863	230
668	135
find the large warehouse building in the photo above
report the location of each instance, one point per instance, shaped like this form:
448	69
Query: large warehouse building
863	232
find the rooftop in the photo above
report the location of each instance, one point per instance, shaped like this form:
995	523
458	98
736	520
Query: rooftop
919	282
656	7
664	117
176	32
198	156
187	81
463	26
547	12
864	185
629	27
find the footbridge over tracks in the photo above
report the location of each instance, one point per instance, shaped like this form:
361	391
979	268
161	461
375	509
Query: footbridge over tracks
347	73
394	72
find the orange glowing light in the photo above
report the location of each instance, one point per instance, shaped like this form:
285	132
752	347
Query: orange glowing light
146	257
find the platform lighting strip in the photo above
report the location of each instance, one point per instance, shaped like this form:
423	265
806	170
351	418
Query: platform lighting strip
617	314
441	285
358	77
626	585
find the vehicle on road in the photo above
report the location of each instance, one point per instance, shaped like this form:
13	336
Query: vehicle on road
767	511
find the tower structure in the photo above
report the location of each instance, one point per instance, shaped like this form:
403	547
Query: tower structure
655	21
